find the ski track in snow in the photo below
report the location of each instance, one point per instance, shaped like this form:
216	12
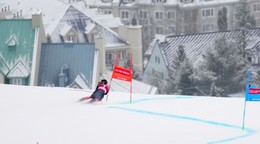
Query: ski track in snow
249	132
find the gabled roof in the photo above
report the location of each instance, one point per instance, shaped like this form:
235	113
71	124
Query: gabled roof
19	31
80	82
11	41
19	71
79	21
90	26
196	44
79	57
53	11
65	29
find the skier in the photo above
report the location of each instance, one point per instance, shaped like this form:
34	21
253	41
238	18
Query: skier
102	89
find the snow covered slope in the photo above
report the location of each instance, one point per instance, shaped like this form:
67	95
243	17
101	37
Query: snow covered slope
31	115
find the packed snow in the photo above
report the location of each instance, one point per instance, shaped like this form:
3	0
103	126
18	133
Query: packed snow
44	115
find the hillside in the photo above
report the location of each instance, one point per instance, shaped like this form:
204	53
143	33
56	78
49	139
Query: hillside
31	115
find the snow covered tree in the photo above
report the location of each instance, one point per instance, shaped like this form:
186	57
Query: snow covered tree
183	79
158	82
222	19
244	22
255	77
136	73
182	69
225	68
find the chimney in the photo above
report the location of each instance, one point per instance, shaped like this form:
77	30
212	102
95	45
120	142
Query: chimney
62	80
99	44
21	13
134	37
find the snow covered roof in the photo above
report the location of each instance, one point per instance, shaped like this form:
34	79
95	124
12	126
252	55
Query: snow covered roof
121	86
90	26
160	38
19	71
65	29
54	10
16	44
111	22
81	82
196	44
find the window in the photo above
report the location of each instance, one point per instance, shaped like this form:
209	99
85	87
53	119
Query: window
171	29
109	58
157	73
107	12
121	55
127	1
107	1
208	27
16	81
256	7
145	29
186	1
157	59
158	15
171	15
257	22
143	14
159	30
124	14
70	38
207	12
159	1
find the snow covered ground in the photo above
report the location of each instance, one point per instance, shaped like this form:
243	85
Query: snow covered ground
31	115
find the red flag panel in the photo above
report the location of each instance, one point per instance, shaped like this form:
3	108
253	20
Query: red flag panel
122	74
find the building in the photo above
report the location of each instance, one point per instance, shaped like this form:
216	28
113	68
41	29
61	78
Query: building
169	17
20	43
71	65
163	51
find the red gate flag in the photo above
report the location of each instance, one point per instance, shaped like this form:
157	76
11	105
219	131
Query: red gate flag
122	74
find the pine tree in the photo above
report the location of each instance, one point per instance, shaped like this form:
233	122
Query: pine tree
244	22
225	66
222	19
181	70
183	79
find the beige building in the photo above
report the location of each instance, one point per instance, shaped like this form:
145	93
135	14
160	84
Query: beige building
173	16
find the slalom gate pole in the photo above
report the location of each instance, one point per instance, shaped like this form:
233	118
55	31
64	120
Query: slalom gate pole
115	63
246	94
131	77
244	116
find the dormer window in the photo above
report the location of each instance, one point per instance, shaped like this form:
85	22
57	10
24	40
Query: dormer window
107	1
11	42
159	1
186	1
127	1
68	34
70	38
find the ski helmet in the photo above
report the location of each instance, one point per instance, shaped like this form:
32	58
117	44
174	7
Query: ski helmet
104	81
